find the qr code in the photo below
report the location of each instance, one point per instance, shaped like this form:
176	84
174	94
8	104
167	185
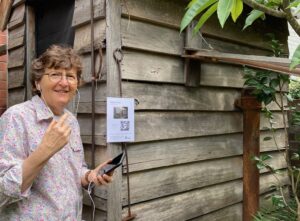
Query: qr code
124	126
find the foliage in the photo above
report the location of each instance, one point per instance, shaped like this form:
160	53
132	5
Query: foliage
206	8
294	89
266	85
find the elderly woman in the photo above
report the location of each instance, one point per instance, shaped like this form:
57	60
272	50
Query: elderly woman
42	168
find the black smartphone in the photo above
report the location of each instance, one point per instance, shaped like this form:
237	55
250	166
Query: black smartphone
116	162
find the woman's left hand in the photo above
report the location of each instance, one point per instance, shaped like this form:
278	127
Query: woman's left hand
98	179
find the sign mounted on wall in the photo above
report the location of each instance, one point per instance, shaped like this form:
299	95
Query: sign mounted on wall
120	119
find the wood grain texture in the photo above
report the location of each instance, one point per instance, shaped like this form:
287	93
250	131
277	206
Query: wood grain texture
186	177
82	11
83	36
16	96
158	12
5	8
197	202
16	57
16	78
17	17
16	37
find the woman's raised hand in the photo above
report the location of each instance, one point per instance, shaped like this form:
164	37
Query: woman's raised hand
57	135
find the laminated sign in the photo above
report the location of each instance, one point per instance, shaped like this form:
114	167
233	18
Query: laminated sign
120	119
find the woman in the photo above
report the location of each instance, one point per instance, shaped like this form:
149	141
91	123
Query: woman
42	168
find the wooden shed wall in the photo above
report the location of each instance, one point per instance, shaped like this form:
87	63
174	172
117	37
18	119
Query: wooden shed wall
186	162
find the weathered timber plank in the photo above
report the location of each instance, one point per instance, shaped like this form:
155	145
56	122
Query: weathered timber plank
85	124
87	211
149	155
82	11
86	66
99	202
16	96
230	213
16	37
150	67
5	8
149	37
113	42
30	47
233	31
16	78
155	11
18	17
172	180
158	12
195	203
99	139
176	97
230	47
152	126
16	57
83	35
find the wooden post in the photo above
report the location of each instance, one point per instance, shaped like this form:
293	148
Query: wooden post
113	41
251	120
30	48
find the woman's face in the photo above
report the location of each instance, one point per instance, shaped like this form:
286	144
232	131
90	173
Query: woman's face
58	87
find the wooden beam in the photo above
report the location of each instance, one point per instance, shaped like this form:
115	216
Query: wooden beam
251	121
113	41
5	8
30	47
262	62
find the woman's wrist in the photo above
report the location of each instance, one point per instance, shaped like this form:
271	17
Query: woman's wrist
86	176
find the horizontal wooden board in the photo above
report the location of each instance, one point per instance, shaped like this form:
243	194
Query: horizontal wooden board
195	203
82	39
230	213
144	156
82	11
158	12
16	96
16	78
149	37
16	57
17	17
172	180
160	68
151	126
16	37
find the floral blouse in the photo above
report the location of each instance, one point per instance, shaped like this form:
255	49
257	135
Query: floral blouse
56	193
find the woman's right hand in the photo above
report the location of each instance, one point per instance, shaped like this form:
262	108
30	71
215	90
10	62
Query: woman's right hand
57	135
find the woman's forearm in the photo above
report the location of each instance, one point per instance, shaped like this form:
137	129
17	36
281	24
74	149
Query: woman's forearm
32	166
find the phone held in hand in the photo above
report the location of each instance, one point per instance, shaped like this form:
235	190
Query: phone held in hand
116	162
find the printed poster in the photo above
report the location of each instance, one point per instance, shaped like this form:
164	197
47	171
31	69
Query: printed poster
120	119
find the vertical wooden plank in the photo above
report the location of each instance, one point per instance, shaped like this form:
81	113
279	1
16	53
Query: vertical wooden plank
251	120
30	47
113	40
5	8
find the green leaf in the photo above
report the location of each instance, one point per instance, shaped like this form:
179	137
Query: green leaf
254	14
295	58
294	4
194	8
205	16
224	9
237	9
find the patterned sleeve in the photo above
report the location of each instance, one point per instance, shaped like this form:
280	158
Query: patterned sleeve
12	154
